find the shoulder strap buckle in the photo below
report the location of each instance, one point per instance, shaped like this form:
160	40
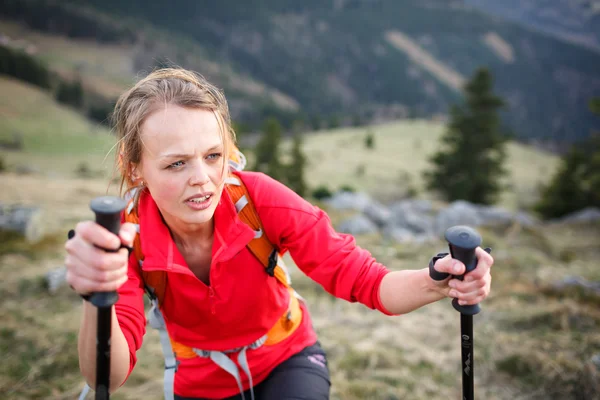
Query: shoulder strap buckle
272	263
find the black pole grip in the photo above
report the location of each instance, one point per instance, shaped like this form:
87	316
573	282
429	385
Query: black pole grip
462	241
108	214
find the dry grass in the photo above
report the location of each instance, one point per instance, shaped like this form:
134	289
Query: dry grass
532	341
423	58
500	47
110	69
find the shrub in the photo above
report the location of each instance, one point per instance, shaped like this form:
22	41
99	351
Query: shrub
321	192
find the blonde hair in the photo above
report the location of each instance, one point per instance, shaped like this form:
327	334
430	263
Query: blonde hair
160	88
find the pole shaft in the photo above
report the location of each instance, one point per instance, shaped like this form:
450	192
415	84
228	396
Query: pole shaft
466	331
103	353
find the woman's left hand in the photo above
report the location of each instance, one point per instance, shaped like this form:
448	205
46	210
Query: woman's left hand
475	287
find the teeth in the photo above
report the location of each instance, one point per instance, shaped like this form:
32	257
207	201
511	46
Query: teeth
200	199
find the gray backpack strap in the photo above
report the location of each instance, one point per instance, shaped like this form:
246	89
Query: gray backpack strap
225	363
84	392
156	321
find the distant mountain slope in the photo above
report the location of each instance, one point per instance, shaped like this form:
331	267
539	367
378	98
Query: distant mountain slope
577	21
340	57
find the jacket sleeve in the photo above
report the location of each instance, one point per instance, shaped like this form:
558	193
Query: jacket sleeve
331	259
130	311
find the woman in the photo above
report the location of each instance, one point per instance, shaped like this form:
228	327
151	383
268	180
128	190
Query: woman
175	137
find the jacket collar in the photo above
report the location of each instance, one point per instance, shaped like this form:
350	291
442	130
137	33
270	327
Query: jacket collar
231	235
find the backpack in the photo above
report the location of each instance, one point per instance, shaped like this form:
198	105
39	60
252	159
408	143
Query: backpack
155	283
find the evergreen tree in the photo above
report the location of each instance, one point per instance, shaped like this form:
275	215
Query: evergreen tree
295	170
70	93
576	184
470	163
267	150
369	140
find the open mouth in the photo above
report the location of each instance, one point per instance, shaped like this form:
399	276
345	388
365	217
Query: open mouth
200	199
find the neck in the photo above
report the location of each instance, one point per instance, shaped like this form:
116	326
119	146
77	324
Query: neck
191	236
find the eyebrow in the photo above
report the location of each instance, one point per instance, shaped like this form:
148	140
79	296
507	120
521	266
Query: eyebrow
184	155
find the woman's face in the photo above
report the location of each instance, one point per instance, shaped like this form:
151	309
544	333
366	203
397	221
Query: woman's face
182	164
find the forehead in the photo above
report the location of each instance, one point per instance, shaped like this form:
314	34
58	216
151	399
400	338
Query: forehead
182	129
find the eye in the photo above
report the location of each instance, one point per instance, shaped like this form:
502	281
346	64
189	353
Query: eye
214	156
176	164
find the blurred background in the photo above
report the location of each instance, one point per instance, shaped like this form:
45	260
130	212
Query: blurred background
400	118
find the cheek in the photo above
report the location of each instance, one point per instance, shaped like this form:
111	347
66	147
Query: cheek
166	187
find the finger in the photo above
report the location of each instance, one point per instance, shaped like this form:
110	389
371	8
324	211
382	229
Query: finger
107	276
88	257
484	263
97	235
483	257
466	287
474	295
127	233
83	284
449	265
475	298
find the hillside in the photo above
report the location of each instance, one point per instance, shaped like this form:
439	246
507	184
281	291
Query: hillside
339	158
352	60
58	141
53	139
535	339
335	58
575	21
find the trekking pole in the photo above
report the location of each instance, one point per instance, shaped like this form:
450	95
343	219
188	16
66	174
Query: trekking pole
108	214
462	241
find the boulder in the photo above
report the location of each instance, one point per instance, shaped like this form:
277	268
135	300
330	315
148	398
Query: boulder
25	221
459	212
358	225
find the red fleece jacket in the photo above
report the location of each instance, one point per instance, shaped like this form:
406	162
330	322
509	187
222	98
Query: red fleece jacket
243	302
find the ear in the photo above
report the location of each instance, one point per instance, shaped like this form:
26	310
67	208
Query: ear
135	172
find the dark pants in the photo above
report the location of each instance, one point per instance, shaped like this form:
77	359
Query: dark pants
304	376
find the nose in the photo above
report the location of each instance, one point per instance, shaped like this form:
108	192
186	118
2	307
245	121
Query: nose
200	175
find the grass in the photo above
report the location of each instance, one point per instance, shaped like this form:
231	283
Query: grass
55	138
399	157
529	343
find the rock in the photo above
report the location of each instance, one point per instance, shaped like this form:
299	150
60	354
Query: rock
349	201
25	221
378	213
413	215
526	219
399	234
577	281
357	225
56	278
458	213
494	216
589	214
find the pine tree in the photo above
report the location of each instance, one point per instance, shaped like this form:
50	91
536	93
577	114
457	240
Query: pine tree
576	184
471	162
295	170
267	150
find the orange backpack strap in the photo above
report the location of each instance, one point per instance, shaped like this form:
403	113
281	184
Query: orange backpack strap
260	246
155	282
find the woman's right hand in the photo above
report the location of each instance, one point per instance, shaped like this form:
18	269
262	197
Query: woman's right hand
89	267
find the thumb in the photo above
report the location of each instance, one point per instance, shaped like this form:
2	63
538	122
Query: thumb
449	265
127	233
